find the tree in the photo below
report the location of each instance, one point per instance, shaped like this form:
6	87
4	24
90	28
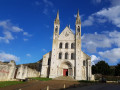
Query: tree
101	68
117	70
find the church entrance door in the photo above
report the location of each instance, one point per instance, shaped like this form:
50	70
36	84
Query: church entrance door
65	72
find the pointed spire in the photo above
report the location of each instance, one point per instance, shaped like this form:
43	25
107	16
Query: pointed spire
57	18
57	15
78	21
78	13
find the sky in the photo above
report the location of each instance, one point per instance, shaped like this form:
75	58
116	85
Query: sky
26	28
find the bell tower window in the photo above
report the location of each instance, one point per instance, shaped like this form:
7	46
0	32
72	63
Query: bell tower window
78	29
56	29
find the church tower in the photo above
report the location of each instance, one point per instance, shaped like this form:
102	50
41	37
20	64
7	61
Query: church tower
78	64
53	69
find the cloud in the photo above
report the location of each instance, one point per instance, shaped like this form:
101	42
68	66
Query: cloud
25	39
27	34
7	57
8	29
112	55
47	5
102	40
28	55
111	15
88	22
7	25
94	59
115	2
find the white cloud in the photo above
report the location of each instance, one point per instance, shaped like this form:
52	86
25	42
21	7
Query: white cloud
27	34
112	55
7	29
115	2
94	59
47	6
28	55
16	29
25	39
48	3
102	40
7	57
88	22
111	14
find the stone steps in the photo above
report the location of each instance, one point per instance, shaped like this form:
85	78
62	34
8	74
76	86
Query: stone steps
68	78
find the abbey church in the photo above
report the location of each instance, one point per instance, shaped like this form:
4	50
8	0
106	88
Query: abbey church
66	57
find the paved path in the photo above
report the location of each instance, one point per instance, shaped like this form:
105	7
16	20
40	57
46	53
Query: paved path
99	87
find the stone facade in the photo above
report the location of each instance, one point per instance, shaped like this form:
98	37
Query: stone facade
66	57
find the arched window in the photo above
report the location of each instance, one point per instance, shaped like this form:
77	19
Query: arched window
60	45
72	45
66	55
56	29
60	55
66	45
84	63
72	55
78	29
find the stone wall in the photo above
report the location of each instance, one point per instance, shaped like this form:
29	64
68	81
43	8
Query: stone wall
7	71
32	73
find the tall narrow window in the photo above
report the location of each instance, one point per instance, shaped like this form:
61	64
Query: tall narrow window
84	63
72	45
72	55
60	45
60	55
56	29
78	29
66	45
66	55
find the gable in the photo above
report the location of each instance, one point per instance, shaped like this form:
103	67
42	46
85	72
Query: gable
66	34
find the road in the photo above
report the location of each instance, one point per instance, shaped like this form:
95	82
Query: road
99	87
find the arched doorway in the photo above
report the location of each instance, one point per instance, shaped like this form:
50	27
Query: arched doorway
67	69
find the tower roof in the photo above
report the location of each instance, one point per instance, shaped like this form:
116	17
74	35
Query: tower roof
78	21
57	21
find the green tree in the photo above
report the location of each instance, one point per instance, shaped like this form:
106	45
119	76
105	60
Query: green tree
101	68
117	70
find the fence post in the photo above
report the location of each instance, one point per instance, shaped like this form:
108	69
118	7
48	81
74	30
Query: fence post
64	86
47	87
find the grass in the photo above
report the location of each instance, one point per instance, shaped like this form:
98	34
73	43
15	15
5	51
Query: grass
41	79
9	83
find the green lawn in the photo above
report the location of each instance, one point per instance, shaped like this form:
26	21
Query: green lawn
41	79
8	83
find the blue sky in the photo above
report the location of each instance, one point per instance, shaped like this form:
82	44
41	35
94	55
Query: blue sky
26	28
